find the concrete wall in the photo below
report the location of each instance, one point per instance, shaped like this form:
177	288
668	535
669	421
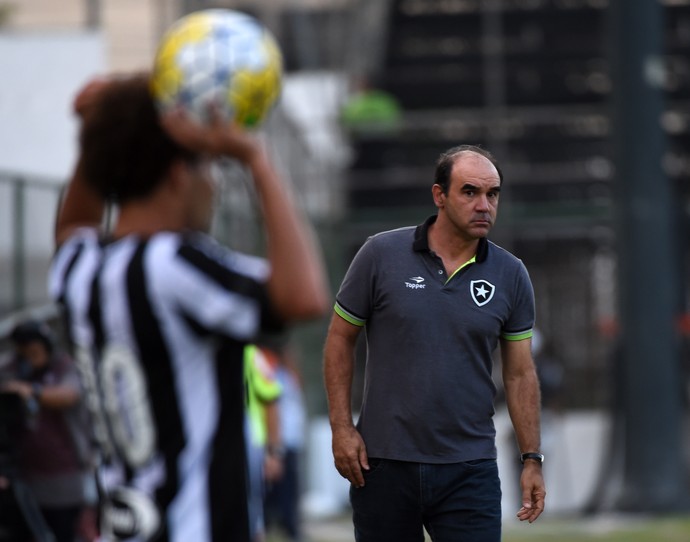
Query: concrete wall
26	14
41	72
131	28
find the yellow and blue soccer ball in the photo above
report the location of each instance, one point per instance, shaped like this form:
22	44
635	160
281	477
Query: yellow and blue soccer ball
221	57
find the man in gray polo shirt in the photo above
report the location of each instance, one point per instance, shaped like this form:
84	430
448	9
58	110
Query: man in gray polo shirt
435	301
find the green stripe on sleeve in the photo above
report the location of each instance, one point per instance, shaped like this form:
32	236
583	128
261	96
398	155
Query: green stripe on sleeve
521	336
347	316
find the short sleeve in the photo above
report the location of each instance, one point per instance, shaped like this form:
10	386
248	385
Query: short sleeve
354	300
522	316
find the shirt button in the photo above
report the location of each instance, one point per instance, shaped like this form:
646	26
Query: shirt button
440	271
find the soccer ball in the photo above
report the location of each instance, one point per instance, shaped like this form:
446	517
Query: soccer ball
220	57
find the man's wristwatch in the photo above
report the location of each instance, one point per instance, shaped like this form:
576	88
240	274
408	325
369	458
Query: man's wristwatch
539	458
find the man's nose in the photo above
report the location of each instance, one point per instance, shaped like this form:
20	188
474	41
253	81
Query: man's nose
482	202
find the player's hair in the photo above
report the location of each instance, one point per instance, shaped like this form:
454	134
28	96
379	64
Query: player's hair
125	153
444	165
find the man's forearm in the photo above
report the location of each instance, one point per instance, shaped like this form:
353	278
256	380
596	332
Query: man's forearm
338	384
338	373
524	405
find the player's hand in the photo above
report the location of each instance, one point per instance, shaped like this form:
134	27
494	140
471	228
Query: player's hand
219	138
350	454
88	95
533	492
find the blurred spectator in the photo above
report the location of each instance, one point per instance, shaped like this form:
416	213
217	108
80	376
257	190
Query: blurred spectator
264	447
52	448
283	495
370	109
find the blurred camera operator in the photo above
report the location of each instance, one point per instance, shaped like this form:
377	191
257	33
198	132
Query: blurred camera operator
51	446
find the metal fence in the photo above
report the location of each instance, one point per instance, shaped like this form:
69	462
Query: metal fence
27	212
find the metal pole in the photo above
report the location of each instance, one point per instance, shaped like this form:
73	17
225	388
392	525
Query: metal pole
655	474
19	245
93	14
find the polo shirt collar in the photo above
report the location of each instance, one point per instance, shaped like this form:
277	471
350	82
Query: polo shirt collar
421	240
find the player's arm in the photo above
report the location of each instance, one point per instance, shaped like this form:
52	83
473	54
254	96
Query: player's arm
349	451
524	405
81	206
298	286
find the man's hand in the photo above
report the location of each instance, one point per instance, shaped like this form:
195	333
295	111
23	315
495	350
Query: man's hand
23	389
533	492
273	468
350	454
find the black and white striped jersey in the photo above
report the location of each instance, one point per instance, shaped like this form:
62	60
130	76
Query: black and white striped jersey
157	327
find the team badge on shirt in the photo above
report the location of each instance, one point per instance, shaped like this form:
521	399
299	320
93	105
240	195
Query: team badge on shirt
481	291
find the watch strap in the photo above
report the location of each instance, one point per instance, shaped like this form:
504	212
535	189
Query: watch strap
539	458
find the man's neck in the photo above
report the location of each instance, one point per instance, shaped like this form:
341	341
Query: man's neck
453	249
145	219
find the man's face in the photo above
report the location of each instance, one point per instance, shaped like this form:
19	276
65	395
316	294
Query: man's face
471	203
35	353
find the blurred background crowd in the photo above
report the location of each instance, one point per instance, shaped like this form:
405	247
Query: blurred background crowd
373	92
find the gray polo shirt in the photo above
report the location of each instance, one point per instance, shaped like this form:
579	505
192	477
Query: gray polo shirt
428	391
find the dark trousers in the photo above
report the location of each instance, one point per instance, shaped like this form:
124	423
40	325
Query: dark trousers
282	499
62	522
457	502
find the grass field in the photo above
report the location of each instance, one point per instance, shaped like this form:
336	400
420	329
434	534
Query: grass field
604	529
599	529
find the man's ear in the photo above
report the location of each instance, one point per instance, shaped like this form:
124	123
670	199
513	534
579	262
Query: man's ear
438	195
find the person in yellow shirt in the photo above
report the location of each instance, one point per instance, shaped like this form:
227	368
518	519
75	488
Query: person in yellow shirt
264	445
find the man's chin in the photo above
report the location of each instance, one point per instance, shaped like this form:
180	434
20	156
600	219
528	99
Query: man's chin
480	231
